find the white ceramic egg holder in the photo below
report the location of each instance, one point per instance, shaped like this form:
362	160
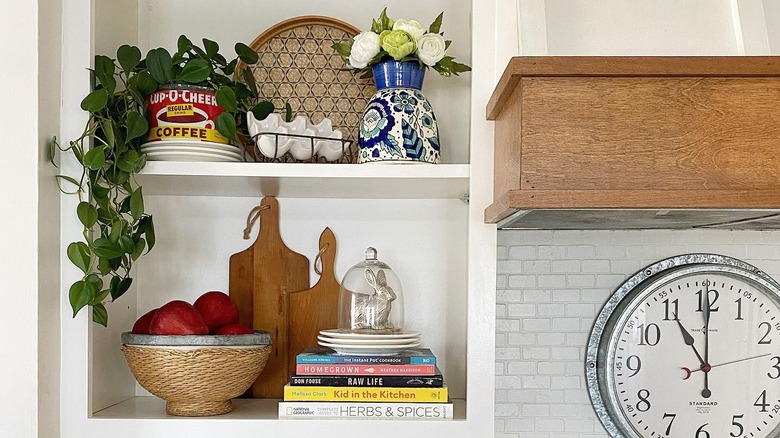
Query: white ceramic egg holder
273	137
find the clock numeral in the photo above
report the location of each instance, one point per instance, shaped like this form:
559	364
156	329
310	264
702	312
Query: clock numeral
643	405
649	335
702	299
734	422
637	364
775	367
764	340
776	409
701	433
669	427
675	306
761	402
739	310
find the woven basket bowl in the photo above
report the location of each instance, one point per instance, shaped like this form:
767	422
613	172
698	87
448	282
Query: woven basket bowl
196	380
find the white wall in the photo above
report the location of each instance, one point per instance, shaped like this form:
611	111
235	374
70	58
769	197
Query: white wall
551	284
49	98
18	230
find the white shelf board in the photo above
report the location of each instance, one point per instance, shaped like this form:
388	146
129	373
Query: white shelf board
306	180
145	416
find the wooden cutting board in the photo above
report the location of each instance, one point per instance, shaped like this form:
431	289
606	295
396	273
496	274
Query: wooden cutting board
261	280
315	309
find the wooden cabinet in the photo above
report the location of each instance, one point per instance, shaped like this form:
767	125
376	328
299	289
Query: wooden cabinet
637	142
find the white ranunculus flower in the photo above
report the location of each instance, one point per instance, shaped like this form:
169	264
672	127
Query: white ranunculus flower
431	48
365	47
412	27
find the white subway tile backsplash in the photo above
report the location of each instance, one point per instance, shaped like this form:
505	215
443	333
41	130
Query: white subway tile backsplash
524	252
551	285
522	281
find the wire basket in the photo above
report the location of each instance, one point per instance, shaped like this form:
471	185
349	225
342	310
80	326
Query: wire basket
276	147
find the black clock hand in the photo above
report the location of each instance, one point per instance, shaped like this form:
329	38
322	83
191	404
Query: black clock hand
688	339
706	393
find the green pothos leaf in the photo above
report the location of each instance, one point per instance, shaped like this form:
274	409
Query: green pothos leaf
78	295
79	255
87	214
100	314
137	204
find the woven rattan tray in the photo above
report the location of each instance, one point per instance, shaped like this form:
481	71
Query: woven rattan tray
298	66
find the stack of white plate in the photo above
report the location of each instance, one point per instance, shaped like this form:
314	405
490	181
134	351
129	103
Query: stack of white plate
190	150
344	342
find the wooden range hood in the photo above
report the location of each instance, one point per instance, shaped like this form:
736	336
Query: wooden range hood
637	143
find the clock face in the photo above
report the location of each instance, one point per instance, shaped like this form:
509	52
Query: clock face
689	350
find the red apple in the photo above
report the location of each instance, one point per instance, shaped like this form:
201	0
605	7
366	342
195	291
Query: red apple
234	329
142	325
217	309
178	318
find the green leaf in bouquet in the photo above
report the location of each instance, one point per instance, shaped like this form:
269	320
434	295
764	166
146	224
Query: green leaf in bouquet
435	27
385	21
343	49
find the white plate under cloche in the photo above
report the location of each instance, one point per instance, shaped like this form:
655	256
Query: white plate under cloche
375	350
348	341
404	334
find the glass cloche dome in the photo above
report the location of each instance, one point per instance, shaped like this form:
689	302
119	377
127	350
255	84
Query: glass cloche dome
371	298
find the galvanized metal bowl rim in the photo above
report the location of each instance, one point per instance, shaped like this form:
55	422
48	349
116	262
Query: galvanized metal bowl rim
258	338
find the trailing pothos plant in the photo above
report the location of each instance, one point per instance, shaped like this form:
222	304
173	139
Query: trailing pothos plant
117	229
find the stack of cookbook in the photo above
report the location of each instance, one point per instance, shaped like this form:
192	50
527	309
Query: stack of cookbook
373	383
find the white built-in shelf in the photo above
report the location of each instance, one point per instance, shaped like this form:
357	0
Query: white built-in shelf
146	407
306	180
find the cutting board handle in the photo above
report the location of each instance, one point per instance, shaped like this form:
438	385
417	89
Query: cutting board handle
327	255
268	215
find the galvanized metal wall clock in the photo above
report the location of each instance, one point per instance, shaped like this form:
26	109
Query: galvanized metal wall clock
689	347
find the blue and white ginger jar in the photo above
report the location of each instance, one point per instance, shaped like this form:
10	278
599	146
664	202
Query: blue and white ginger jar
398	124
